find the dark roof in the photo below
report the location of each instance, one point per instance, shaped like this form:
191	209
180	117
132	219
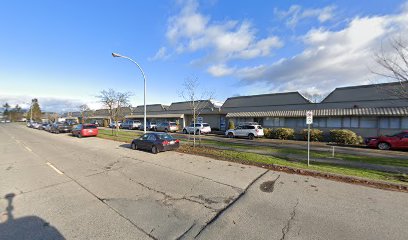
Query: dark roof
150	108
265	102
391	111
372	92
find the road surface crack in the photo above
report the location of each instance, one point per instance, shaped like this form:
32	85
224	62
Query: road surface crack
219	213
168	197
286	228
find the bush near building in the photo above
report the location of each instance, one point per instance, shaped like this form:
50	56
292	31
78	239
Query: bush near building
344	136
316	135
231	125
279	133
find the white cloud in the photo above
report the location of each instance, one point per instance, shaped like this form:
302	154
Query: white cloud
220	70
296	13
331	58
191	31
47	104
161	54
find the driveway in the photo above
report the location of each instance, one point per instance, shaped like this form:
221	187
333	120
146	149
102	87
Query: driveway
57	186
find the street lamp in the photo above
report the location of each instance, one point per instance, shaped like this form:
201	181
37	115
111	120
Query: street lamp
144	77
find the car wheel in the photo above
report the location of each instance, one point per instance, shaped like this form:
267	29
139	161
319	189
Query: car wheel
197	132
184	131
154	150
134	146
384	146
251	136
230	135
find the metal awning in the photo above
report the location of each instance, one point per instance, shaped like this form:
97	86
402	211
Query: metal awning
385	111
168	115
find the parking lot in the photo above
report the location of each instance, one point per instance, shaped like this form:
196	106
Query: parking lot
66	187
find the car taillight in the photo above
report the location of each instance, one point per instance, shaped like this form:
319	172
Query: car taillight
166	142
177	141
257	130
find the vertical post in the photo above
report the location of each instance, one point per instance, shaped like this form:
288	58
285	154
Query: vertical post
333	152
308	144
144	101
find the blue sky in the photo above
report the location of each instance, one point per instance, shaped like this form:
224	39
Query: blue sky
60	51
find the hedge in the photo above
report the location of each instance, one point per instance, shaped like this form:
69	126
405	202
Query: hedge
344	136
279	133
316	135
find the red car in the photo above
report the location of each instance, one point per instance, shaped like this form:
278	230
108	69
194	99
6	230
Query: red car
85	130
396	141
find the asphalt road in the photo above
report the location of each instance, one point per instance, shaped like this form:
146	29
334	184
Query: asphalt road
61	187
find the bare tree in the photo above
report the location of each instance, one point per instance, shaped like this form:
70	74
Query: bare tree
83	109
197	100
114	102
394	67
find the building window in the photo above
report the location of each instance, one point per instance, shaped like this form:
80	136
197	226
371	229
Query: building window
274	122
354	122
346	122
334	122
404	123
291	122
319	122
368	122
395	123
384	122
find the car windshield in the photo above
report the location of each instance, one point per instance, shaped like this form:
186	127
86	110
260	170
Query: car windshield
165	136
89	126
259	127
206	125
172	124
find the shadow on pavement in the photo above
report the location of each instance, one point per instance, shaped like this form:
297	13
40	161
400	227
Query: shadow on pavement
126	145
30	227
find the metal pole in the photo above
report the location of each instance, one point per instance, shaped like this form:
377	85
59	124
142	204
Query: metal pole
144	77
308	144
31	109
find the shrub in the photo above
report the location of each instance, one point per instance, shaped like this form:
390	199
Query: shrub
316	135
360	140
343	136
283	133
231	125
268	132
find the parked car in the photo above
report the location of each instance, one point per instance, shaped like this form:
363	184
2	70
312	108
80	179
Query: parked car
199	128
396	141
85	130
48	127
131	124
36	125
60	127
167	127
114	124
155	142
43	125
249	130
149	126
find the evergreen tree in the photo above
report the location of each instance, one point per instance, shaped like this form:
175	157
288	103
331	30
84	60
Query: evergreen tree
6	112
34	112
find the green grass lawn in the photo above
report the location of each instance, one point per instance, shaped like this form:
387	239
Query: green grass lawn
314	154
245	157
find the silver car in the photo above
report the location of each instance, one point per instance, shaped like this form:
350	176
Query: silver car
167	127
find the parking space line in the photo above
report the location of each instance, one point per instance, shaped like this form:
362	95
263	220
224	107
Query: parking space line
28	149
56	169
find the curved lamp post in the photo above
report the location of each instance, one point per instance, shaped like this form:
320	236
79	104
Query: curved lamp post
144	77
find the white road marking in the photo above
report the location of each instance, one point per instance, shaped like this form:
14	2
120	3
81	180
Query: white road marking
56	169
28	149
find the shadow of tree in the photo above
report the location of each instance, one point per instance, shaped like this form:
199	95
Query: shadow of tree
30	227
